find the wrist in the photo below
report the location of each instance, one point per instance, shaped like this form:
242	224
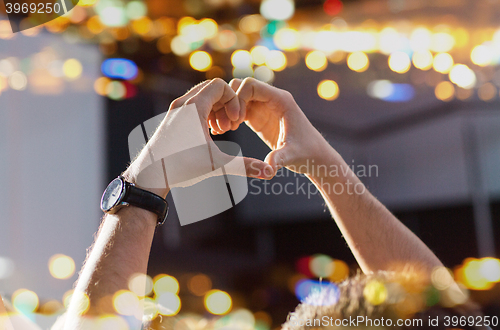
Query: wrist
131	175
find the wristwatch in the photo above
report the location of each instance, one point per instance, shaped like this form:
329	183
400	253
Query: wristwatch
120	193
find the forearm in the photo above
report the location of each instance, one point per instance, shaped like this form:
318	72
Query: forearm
121	249
378	240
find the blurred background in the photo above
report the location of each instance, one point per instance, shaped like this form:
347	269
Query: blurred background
406	88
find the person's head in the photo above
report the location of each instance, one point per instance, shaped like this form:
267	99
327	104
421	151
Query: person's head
395	300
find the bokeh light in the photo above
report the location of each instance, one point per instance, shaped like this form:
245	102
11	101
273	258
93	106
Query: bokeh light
399	62
444	91
277	10
481	55
140	284
218	302
316	60
18	81
487	92
72	69
259	54
473	277
358	61
119	68
327	90
321	265
443	62
165	283
252	23
442	278
241	59
101	85
422	60
127	303
375	292
276	60
61	266
263	73
116	90
199	284
25	301
442	42
490	269
462	76
200	61
340	271
169	303
287	39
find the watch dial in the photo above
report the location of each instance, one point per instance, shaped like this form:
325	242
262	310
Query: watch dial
111	194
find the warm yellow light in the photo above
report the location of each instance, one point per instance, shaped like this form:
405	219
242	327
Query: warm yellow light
481	55
442	277
487	92
200	60
287	39
316	60
358	61
185	22
169	303
218	302
443	62
165	283
127	303
421	39
199	284
94	24
18	81
263	73
472	276
110	321
444	91
276	60
399	62
179	46
241	59
149	308
25	301
142	25
422	60
340	271
328	90
252	23
259	54
490	269
61	266
389	40
101	85
210	27
463	94
375	292
140	284
442	42
87	3
462	76
72	69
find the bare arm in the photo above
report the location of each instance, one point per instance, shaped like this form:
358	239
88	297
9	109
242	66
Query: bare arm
377	239
123	243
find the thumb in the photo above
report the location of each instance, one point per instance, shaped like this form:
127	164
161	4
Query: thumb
278	158
246	166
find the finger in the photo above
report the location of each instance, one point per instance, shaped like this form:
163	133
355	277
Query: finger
217	91
235	84
223	121
212	122
192	92
254	90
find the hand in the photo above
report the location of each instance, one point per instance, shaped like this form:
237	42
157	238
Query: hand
274	115
182	147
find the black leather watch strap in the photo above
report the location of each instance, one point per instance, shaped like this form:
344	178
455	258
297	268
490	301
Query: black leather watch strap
146	200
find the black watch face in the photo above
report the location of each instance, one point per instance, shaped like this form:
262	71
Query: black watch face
111	195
